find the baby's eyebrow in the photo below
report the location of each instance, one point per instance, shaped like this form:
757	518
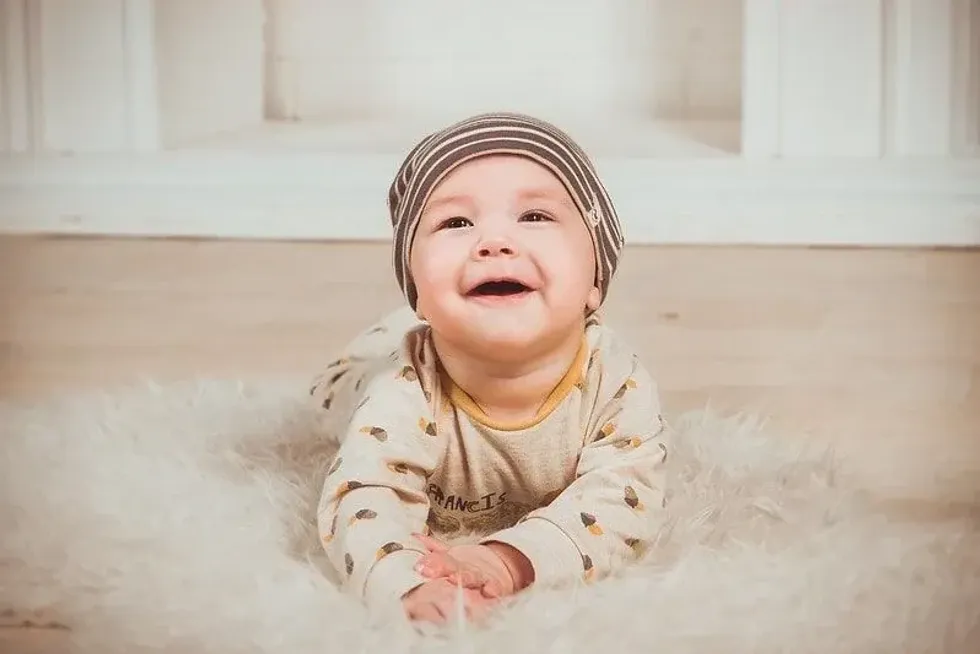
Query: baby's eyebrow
538	193
546	194
447	200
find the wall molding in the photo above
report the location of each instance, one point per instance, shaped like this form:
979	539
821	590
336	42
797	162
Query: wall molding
17	18
966	78
297	195
761	99
142	94
924	48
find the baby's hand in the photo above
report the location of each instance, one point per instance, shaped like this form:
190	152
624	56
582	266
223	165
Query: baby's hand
435	601
479	567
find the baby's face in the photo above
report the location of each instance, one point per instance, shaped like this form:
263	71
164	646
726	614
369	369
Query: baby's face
502	258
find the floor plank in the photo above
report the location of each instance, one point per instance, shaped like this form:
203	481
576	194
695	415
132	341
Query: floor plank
877	349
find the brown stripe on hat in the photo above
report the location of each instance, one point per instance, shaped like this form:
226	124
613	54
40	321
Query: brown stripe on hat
436	155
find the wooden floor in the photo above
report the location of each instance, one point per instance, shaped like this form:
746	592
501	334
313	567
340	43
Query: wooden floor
877	350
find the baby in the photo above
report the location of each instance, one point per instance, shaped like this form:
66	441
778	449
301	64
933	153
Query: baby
498	434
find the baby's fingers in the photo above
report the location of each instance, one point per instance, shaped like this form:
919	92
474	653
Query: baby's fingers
474	607
432	544
426	612
436	564
492	589
468	577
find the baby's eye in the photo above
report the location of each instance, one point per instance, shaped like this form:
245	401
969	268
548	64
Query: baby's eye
536	217
456	222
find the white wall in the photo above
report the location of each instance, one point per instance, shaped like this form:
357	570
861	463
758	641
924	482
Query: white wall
61	61
966	78
693	58
15	89
82	51
663	58
798	78
713	121
210	58
861	78
127	75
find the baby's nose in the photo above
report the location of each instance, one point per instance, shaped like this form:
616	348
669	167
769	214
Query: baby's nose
496	247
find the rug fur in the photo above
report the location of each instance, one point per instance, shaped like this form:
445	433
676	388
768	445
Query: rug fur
180	519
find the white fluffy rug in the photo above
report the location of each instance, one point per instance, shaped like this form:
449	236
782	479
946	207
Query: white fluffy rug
181	519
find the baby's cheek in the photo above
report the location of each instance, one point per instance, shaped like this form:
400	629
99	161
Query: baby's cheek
433	277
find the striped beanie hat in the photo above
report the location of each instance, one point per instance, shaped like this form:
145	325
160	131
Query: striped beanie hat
436	155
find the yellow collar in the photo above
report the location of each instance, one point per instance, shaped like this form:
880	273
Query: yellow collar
465	403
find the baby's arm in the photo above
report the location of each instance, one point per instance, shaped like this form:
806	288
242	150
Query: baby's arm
374	495
614	508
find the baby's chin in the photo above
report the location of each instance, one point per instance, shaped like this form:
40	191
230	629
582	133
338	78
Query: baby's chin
510	340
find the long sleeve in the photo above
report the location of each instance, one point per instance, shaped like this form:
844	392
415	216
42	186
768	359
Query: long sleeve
615	506
374	494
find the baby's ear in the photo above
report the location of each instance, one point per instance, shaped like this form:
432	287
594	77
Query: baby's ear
594	300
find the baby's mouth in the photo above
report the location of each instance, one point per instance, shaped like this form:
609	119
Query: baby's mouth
499	288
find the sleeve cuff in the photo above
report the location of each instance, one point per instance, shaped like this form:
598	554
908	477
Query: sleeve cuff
391	578
555	558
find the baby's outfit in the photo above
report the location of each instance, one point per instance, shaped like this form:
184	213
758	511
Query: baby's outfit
579	489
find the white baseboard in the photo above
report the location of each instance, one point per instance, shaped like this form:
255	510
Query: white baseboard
242	193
